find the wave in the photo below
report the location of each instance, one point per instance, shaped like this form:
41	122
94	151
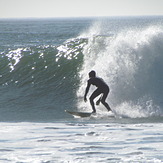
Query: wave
39	82
131	62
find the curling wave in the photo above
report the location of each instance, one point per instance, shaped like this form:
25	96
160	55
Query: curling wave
131	62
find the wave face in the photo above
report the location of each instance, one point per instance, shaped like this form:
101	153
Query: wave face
39	80
45	72
39	66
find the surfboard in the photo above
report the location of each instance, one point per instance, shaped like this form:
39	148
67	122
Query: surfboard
79	114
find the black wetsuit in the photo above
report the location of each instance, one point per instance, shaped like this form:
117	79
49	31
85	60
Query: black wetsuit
102	88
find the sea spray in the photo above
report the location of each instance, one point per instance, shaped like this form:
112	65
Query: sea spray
130	62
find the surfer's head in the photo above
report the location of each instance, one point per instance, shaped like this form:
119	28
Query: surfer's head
92	74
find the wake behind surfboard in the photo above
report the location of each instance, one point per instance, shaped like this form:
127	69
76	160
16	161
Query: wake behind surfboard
79	114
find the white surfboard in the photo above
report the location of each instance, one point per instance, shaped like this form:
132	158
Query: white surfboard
80	114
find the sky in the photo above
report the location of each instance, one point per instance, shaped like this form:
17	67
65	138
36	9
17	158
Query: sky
78	8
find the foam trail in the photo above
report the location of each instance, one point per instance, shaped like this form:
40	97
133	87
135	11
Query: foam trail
125	61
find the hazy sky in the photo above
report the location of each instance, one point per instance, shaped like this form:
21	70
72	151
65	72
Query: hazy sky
78	8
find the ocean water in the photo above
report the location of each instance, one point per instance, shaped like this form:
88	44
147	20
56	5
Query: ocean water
44	65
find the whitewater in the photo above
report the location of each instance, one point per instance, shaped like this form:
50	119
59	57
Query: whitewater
44	66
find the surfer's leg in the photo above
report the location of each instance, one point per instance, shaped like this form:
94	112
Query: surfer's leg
96	93
105	94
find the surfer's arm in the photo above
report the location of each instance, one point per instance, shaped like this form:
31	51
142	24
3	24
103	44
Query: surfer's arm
86	91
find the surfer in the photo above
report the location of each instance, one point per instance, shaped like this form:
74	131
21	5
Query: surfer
102	88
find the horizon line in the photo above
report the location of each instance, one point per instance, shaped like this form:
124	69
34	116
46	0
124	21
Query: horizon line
66	17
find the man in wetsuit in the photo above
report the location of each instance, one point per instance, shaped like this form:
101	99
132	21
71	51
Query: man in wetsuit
102	88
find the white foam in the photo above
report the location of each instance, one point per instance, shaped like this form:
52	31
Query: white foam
123	61
79	142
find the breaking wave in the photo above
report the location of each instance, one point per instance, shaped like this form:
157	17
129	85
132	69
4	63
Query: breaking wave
39	82
131	62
